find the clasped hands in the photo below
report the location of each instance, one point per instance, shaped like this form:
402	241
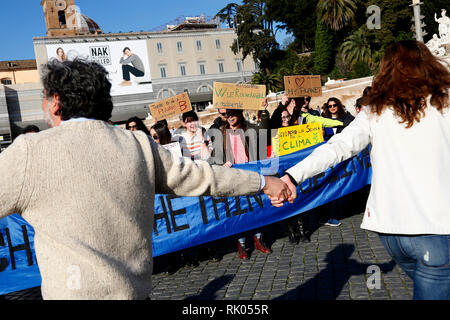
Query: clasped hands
280	190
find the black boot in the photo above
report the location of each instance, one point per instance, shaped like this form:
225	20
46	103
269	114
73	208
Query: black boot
294	237
303	234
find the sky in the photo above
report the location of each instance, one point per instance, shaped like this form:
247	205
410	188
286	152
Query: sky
21	20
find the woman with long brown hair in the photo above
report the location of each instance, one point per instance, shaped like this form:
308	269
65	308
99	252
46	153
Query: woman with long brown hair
406	119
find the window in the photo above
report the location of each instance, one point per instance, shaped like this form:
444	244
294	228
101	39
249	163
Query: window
6	81
199	45
239	65
62	17
221	66
165	94
205	89
202	67
182	70
180	46
218	44
162	69
159	47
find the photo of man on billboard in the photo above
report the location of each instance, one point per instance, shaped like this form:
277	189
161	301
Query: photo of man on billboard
131	64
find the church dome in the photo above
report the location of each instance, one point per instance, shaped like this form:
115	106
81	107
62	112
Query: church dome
87	25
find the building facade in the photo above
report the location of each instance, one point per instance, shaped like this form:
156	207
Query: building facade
18	72
180	61
188	57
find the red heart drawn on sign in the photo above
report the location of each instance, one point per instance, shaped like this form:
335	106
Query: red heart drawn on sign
299	81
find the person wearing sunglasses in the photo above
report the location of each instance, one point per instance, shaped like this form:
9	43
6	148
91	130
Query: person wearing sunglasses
134	124
300	114
241	145
220	120
160	133
334	109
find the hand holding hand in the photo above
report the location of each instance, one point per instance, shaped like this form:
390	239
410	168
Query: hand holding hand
277	191
277	202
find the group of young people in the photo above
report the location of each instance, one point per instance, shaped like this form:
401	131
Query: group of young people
232	139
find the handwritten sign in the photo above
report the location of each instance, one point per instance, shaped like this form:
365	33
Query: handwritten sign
171	107
174	147
238	96
301	86
295	138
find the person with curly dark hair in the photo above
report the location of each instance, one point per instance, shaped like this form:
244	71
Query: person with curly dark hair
406	119
86	96
134	124
88	189
31	129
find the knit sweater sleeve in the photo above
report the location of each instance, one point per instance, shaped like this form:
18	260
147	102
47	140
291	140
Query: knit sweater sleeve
13	167
184	177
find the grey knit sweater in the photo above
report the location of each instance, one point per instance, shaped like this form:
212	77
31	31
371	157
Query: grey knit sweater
135	62
88	190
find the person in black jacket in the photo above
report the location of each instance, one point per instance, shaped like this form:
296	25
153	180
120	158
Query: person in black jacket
220	120
334	109
241	145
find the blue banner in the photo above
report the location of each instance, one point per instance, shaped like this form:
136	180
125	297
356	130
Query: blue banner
18	266
183	222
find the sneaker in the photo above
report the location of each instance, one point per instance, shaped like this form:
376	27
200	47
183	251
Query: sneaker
333	223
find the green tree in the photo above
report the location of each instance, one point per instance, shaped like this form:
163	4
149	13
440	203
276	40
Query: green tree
297	17
270	80
255	35
227	14
323	51
336	13
356	48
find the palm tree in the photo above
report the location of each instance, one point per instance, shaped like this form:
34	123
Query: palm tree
336	13
270	80
227	14
356	47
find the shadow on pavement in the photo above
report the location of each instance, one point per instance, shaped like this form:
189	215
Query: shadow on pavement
208	292
328	283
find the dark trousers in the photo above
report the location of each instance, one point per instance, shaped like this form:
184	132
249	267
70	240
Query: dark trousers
127	69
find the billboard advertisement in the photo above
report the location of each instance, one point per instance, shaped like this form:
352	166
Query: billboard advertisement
126	61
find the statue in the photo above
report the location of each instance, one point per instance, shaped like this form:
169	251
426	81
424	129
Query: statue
444	26
434	46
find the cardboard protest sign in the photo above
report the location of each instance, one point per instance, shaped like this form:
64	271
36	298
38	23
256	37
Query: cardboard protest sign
295	138
171	106
173	147
301	86
238	96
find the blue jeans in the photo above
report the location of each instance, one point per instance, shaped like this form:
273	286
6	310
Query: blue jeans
425	259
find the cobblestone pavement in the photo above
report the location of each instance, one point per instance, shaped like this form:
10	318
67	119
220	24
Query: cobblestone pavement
333	266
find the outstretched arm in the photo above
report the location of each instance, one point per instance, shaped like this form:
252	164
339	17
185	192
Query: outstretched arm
13	164
326	122
184	177
352	140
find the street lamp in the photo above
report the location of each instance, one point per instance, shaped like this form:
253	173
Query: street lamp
237	41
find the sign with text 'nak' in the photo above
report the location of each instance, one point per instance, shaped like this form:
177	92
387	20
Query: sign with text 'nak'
295	138
302	86
239	96
171	106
